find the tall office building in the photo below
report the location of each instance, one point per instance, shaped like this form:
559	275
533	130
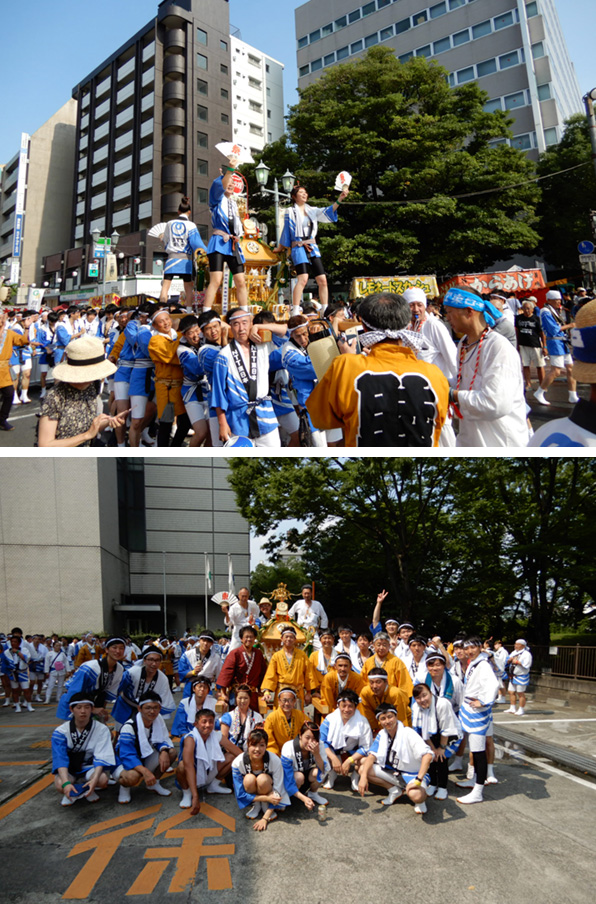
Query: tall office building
514	49
36	197
102	544
257	95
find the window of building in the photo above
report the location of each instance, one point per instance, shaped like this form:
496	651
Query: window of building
544	92
100	154
202	62
149	51
327	30
99	177
253	105
147	128
223	45
125	92
465	75
202	195
98	201
254	129
304	70
85	100
302	42
487	67
267	67
342	53
356	47
482	29
438	10
123	166
420	18
370	40
442	45
202	87
253	60
522	142
255	83
315	36
123	141
503	21
124	117
492	105
461	37
316	65
512	101
126	68
382	3
103	86
341	22
550	137
145	181
406	56
224	93
369	8
402	26
496	142
223	69
386	33
532	10
538	50
131	504
99	133
145	156
455	4
354	16
148	77
201	37
102	109
225	119
268	114
202	168
424	51
268	92
329	59
509	59
202	113
202	140
145	210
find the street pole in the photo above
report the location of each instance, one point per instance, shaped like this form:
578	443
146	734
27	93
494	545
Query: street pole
165	599
276	201
589	104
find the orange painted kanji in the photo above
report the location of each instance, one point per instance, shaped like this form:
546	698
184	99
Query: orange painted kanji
188	855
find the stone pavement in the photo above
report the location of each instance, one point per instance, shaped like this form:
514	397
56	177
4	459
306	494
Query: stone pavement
533	835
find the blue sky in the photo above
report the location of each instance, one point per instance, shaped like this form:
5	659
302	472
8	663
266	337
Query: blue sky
48	47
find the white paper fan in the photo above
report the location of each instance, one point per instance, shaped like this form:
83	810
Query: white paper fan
229	148
224	598
343	180
158	230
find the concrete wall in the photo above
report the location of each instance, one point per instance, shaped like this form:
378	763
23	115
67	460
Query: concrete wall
49	190
571	692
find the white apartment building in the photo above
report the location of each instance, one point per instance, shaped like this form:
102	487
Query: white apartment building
257	95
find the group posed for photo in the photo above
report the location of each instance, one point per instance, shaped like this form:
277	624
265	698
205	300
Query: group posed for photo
382	709
400	371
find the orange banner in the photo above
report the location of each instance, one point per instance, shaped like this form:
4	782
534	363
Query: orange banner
508	281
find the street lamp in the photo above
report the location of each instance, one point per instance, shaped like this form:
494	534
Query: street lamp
287	180
115	238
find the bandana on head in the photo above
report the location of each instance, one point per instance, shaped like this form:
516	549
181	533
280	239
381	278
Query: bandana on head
459	298
238	315
408	337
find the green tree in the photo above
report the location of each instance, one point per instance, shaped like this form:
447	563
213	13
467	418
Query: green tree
265	578
406	135
567	199
476	544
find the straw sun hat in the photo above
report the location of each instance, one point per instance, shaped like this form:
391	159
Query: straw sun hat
84	361
583	338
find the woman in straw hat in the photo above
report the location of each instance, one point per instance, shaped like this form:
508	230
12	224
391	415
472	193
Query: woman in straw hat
71	412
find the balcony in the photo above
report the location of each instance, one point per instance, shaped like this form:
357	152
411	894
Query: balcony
174	93
175	40
172	176
174	66
173	118
172	145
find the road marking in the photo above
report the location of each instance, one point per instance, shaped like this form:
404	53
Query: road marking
120	820
541	765
536	721
23	763
24	796
21	417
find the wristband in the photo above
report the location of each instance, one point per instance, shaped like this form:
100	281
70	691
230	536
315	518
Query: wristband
230	169
416	781
352	760
65	784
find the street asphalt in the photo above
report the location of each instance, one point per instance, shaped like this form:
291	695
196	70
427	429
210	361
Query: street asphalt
24	417
530	841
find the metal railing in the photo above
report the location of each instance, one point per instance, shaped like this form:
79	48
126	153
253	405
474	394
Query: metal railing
565	661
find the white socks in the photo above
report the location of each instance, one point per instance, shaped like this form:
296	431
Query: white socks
124	795
539	396
159	789
186	802
474	797
322	801
330	780
393	795
573	396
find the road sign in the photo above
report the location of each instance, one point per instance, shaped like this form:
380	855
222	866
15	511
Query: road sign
93	269
586	247
103	247
587	258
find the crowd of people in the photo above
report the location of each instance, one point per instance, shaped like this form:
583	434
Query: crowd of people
401	370
385	707
403	373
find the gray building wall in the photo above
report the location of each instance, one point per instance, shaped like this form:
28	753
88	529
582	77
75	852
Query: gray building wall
515	50
62	565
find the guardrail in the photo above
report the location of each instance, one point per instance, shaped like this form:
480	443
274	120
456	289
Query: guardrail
565	661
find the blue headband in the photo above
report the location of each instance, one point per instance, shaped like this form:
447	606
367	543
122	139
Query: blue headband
583	340
459	298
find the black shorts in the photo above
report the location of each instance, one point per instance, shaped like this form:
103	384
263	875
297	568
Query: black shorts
217	261
314	267
186	277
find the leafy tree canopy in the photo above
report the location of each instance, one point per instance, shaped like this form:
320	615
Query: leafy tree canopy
476	544
406	135
566	202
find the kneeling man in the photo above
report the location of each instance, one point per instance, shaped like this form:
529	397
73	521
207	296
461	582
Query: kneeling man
145	749
82	753
204	761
